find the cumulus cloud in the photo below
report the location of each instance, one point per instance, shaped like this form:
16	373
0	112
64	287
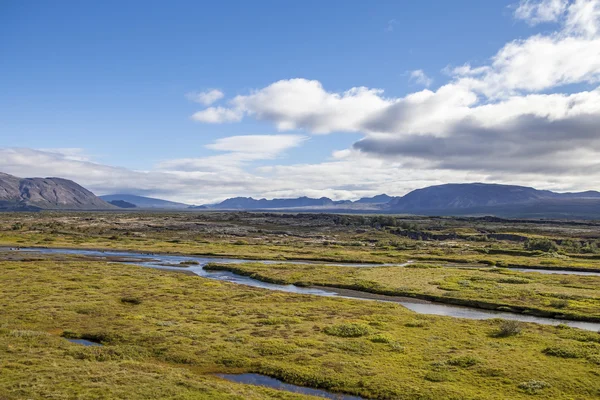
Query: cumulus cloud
207	97
504	116
421	78
301	103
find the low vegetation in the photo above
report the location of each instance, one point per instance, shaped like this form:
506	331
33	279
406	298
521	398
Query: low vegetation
570	296
165	334
186	328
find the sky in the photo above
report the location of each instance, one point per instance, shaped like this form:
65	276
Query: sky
198	101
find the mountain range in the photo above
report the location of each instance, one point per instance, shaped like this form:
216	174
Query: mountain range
31	194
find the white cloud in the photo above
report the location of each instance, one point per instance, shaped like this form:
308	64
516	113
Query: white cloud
218	115
583	18
301	103
421	78
264	144
536	11
504	109
69	153
207	97
240	150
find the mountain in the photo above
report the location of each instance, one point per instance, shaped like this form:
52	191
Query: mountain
379	199
122	204
144	202
46	193
453	199
248	203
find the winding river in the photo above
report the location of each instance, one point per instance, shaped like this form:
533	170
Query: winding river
173	262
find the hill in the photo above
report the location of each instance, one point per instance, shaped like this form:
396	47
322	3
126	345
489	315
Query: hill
379	199
122	204
31	194
144	202
480	198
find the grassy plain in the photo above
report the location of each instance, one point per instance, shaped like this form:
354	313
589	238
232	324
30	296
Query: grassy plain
181	329
166	334
321	237
562	296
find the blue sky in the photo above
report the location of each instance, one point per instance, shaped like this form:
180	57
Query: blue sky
100	92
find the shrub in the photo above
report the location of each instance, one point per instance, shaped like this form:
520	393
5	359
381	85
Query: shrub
396	347
514	280
275	347
509	328
544	245
131	300
463	362
381	338
416	324
437	376
559	303
562	352
347	330
533	386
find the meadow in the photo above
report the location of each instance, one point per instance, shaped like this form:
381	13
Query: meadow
166	334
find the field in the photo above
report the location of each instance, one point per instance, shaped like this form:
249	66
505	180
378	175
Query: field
166	334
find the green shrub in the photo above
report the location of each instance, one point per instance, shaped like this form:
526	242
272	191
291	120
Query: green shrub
438	376
463	361
559	303
562	352
545	245
416	324
533	386
509	328
347	330
381	338
131	300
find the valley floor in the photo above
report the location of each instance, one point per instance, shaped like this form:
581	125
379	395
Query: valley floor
167	335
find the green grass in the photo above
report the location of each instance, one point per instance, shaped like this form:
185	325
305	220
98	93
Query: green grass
295	237
570	296
186	328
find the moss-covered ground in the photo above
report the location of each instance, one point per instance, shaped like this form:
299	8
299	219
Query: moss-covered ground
166	334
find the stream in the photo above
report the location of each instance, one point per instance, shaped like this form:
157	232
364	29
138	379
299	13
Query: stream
173	262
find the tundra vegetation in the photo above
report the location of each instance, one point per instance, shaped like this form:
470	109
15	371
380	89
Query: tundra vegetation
166	334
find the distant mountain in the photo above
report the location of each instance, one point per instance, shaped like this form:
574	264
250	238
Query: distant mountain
144	202
46	193
122	204
248	203
379	199
452	199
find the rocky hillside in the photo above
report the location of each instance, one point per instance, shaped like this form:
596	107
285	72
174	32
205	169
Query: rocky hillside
46	194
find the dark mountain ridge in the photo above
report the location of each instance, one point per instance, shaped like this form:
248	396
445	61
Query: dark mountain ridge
448	199
463	196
